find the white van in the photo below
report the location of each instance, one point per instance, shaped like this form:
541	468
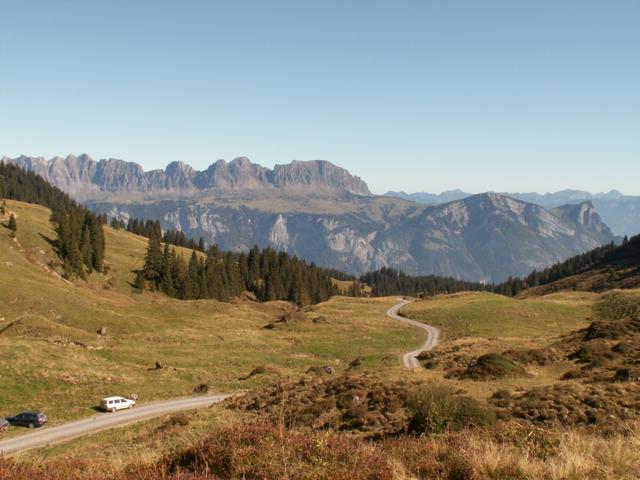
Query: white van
111	404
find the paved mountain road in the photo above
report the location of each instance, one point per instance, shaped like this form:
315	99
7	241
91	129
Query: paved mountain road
101	421
409	359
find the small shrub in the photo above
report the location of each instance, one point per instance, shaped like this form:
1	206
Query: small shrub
201	388
492	366
439	408
596	355
178	420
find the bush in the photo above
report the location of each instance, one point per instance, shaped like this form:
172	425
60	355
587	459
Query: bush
438	408
491	366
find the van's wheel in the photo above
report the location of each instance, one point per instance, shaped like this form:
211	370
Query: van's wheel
113	410
130	406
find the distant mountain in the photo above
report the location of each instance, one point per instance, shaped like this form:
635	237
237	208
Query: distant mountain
322	213
430	198
86	178
620	212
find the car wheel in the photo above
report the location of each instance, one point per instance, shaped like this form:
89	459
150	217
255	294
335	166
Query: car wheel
31	425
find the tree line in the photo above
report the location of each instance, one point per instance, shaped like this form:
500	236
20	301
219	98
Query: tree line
267	273
145	228
389	281
79	241
572	266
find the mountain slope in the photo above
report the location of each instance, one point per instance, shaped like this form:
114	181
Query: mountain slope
323	214
620	212
483	238
53	359
619	267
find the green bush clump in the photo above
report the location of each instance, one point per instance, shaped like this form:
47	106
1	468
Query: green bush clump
492	366
439	408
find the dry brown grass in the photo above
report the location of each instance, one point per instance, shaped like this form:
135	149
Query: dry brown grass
258	451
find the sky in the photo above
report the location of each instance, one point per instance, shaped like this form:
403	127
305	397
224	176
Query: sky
409	95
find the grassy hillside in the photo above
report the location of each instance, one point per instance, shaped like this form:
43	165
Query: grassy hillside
483	315
51	357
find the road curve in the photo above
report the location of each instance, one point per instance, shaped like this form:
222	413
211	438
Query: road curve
101	421
409	359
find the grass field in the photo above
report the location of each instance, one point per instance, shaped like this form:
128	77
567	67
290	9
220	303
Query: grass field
51	357
485	315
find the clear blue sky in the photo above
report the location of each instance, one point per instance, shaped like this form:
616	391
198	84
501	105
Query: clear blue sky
413	95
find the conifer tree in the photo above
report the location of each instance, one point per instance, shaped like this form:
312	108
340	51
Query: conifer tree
153	259
166	284
140	282
85	247
13	224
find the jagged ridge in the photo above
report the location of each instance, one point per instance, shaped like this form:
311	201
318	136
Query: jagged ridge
82	176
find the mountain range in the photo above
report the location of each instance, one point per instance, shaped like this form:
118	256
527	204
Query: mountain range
620	212
321	212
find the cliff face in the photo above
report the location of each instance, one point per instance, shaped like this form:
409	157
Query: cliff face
84	177
486	237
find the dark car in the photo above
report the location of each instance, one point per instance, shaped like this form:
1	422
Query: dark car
4	424
28	419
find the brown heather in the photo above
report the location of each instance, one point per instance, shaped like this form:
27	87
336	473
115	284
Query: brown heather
260	451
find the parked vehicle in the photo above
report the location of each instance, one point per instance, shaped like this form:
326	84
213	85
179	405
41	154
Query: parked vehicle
111	404
4	424
28	419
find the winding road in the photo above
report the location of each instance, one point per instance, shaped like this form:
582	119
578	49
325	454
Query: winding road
102	421
409	359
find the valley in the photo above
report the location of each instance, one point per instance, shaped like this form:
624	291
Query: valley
53	358
202	279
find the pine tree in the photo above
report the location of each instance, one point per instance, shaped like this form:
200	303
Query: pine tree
85	247
166	284
97	244
153	259
140	282
13	225
194	275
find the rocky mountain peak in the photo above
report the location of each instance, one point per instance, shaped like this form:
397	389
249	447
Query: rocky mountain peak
83	177
319	173
583	214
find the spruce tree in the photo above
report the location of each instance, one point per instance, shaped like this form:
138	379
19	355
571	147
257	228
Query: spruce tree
140	281
97	244
194	275
166	284
13	225
86	248
153	259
